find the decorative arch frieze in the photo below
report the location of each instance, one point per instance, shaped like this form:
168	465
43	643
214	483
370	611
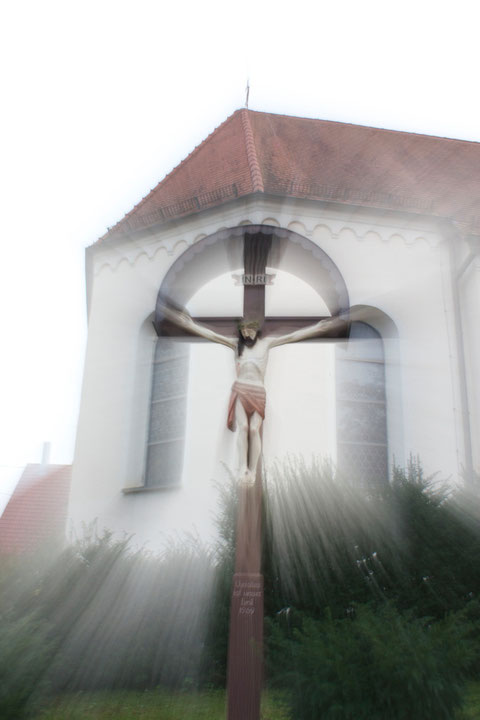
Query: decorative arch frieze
333	229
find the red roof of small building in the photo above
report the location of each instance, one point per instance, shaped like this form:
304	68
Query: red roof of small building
256	152
37	510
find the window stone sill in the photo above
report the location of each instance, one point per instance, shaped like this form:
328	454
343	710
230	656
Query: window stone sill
150	489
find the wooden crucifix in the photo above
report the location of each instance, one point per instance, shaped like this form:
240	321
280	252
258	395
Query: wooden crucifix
251	340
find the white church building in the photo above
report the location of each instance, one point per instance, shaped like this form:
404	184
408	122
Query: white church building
306	218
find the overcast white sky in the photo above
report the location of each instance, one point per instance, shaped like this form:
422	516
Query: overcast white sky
101	99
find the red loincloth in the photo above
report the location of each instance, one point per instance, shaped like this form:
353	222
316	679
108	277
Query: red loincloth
252	397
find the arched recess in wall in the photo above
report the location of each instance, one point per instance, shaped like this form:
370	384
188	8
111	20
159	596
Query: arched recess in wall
364	413
209	258
223	251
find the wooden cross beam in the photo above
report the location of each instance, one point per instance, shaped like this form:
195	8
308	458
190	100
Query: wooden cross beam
254	278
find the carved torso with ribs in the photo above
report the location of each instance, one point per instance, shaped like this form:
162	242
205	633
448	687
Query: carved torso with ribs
252	363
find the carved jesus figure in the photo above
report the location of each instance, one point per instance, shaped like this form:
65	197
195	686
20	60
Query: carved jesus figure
246	410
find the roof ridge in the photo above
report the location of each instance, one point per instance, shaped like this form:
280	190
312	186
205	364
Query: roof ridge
253	164
366	127
172	172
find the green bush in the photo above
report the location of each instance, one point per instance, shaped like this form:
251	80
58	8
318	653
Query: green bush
26	649
130	620
327	543
99	616
382	561
214	657
373	666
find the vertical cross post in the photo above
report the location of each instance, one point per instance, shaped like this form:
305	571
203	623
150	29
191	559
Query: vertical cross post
245	649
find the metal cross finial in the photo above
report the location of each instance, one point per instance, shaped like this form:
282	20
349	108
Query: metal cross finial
247	92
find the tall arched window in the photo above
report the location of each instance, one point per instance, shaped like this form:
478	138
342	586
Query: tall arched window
168	408
362	453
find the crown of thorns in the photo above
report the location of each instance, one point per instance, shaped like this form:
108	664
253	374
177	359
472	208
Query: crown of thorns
253	324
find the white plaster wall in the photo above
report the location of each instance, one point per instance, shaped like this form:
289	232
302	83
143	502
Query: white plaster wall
470	302
393	265
405	273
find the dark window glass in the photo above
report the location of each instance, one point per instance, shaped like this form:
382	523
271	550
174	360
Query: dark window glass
168	410
362	453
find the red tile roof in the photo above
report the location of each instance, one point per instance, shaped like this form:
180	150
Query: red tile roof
37	510
256	152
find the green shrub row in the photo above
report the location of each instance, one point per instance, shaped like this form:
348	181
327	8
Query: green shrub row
371	599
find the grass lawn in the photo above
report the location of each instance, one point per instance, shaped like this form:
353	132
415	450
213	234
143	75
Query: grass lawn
162	705
472	704
151	705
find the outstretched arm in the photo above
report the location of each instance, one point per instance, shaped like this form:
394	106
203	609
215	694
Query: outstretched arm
319	329
184	321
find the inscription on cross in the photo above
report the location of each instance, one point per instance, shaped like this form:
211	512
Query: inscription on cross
260	279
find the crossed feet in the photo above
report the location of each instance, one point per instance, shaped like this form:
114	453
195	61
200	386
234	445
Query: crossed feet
247	477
